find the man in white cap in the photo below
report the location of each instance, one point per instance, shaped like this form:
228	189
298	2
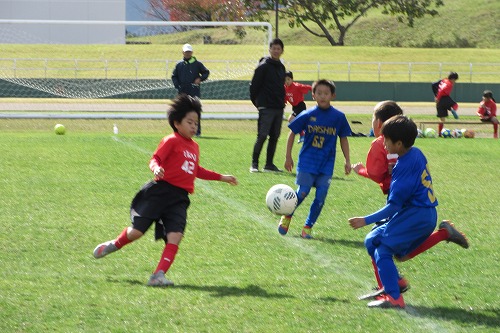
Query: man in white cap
188	74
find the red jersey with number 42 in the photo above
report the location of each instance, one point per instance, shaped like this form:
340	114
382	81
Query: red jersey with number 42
294	93
179	157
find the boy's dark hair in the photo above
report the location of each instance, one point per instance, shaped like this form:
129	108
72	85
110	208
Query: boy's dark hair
289	74
489	94
387	109
277	41
323	82
453	75
180	106
400	128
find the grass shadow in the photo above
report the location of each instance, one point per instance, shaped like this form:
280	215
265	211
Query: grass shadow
226	291
469	317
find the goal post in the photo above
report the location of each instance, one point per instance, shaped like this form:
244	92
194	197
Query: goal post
96	60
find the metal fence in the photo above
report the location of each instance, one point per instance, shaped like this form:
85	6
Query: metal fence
51	68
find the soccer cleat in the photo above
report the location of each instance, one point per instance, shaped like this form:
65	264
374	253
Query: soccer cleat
272	168
284	224
301	139
104	249
254	168
454	113
306	233
403	287
454	235
159	280
387	302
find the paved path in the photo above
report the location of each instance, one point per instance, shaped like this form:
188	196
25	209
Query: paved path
214	110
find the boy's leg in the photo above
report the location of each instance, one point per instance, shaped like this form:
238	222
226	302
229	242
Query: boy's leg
305	181
127	236
377	276
389	276
158	278
322	184
446	231
494	120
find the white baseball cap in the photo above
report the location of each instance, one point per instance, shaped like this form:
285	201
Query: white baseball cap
187	48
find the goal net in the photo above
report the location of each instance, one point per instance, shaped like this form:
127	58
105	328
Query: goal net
98	61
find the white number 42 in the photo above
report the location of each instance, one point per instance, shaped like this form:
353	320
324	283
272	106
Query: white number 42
188	167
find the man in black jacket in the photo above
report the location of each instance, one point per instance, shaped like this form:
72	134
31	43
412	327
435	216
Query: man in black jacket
188	74
267	93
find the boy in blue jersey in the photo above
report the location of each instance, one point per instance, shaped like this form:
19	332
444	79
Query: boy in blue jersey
322	125
410	209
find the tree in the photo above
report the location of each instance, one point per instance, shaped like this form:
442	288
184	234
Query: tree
335	17
202	10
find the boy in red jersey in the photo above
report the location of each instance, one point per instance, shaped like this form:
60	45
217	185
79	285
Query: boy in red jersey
379	169
164	200
487	111
294	94
443	100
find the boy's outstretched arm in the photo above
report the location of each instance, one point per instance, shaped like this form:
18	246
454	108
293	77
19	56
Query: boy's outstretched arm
229	179
344	145
357	222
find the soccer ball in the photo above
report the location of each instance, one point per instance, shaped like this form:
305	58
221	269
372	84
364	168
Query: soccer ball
430	133
457	133
281	199
420	134
446	133
469	134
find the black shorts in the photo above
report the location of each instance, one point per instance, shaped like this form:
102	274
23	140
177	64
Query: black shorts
297	109
444	104
160	203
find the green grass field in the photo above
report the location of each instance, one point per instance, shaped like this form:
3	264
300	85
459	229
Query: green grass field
62	195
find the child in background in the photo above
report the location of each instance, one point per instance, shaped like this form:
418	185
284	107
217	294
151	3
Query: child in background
487	111
294	94
377	161
379	164
410	209
444	102
164	200
322	124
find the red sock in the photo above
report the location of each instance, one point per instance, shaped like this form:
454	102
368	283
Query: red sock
375	269
495	131
122	239
440	128
167	257
433	239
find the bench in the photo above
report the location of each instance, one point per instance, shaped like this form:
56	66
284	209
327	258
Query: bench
423	124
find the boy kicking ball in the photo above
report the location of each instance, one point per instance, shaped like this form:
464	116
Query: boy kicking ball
164	200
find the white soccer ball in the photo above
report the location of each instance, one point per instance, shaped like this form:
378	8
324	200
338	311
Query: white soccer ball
457	133
281	199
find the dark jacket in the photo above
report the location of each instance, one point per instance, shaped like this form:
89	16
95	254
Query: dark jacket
185	72
267	89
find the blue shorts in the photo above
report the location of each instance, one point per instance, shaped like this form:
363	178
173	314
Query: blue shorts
312	180
404	232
